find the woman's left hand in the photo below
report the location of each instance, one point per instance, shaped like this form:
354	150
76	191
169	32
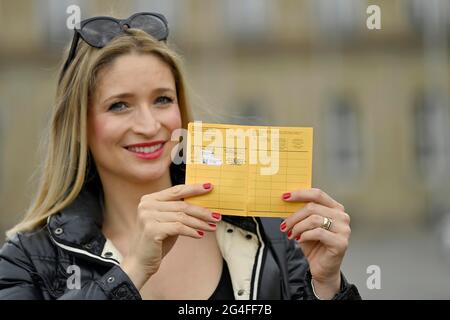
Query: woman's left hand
324	249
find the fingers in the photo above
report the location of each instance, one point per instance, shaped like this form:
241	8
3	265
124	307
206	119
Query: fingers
312	195
162	231
181	191
163	214
190	209
184	219
334	241
179	211
318	211
315	221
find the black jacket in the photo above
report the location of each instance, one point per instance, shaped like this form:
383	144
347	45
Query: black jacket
37	265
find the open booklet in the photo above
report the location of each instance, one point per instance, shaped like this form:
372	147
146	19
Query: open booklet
249	166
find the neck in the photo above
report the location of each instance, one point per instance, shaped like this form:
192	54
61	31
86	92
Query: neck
121	199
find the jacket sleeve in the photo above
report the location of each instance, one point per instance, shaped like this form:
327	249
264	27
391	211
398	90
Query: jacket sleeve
19	280
16	273
299	278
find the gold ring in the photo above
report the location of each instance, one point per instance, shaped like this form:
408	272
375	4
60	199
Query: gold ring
326	224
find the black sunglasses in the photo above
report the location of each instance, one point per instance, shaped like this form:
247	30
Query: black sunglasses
99	31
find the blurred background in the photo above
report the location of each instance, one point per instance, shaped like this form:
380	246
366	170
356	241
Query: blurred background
378	101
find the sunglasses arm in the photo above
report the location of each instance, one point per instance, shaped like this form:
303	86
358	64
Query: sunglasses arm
73	49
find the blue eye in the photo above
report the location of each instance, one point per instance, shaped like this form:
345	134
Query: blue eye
118	106
163	100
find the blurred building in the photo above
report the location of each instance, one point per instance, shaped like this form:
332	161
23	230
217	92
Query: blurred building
377	99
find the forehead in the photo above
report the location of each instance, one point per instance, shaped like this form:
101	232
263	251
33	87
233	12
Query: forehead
133	73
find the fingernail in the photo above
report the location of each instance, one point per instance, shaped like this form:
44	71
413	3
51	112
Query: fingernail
283	226
297	238
289	233
200	233
212	225
207	186
286	195
216	215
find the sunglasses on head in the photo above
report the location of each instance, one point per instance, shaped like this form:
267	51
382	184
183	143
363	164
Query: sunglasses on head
99	31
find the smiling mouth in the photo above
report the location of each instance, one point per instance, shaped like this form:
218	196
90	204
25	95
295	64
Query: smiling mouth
145	150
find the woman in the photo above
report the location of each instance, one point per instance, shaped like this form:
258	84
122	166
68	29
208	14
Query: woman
109	220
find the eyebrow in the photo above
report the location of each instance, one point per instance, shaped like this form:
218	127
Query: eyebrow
129	94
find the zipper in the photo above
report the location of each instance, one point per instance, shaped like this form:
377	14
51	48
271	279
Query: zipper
258	265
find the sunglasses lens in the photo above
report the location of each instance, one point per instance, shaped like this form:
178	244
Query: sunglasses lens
100	31
151	24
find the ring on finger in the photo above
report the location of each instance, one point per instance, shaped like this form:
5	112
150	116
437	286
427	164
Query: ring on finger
326	224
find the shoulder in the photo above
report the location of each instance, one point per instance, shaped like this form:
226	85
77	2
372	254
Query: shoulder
29	244
17	257
30	265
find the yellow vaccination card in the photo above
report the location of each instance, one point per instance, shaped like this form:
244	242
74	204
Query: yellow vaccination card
250	167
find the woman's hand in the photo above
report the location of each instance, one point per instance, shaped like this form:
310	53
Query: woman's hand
324	249
161	218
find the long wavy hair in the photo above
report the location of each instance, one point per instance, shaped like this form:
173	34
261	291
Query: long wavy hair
67	164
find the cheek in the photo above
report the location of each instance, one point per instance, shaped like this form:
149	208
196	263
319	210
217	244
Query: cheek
173	119
100	132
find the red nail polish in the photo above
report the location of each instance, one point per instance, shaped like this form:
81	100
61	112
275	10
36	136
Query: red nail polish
212	225
286	195
297	238
200	233
283	226
289	233
216	215
207	186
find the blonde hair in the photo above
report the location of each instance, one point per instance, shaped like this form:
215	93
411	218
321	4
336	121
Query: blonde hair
66	165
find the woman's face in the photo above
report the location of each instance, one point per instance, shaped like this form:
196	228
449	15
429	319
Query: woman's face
131	116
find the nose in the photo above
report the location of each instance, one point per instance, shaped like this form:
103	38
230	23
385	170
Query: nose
145	122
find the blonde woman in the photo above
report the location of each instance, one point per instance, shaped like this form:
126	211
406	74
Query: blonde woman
109	219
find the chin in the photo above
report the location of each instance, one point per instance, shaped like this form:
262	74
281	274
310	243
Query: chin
147	174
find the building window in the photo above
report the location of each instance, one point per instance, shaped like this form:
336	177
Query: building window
343	145
248	20
339	19
52	21
431	136
429	16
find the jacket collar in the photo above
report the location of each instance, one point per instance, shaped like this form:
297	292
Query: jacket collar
79	224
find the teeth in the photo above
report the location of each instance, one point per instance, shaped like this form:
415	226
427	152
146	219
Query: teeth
145	149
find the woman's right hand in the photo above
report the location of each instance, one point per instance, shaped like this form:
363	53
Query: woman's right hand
161	217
